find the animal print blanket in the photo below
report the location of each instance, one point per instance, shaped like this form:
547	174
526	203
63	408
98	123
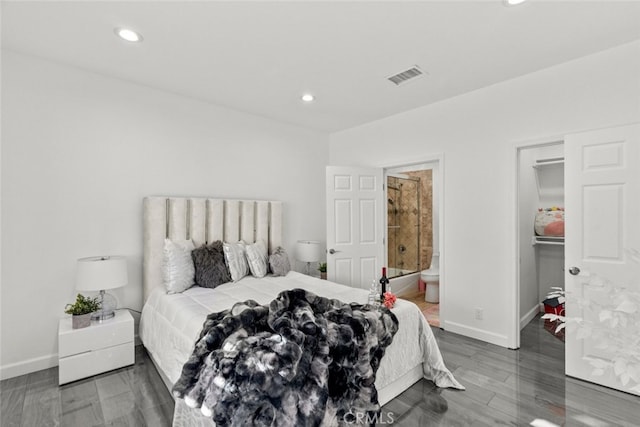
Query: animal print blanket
303	360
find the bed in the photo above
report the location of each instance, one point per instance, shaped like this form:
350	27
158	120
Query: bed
170	323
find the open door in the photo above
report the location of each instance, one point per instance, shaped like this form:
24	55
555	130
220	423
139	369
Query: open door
355	225
602	178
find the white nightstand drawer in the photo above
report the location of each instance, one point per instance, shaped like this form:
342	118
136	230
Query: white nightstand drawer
94	362
109	333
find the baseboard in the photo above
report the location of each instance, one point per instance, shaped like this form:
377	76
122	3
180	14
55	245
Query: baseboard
27	366
524	321
479	334
36	364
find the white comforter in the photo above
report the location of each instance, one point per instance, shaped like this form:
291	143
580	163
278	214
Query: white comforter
170	325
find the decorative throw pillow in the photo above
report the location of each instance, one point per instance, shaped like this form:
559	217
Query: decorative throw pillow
177	266
211	270
257	258
234	253
279	262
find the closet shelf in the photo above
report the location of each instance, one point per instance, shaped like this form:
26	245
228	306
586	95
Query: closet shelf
549	162
550	179
547	240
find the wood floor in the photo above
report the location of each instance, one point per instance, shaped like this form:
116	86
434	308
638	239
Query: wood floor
504	387
430	311
511	387
131	396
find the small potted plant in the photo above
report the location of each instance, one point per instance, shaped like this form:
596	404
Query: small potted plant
322	268
81	311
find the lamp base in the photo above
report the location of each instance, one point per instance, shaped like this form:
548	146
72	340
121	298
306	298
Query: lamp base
101	315
107	306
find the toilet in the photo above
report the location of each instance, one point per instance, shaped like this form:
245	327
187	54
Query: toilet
431	277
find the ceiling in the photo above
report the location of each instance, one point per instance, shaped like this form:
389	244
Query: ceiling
260	57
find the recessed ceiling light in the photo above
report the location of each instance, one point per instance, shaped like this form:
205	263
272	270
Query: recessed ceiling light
307	97
513	2
128	35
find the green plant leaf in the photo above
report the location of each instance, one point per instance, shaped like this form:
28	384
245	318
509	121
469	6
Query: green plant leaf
82	305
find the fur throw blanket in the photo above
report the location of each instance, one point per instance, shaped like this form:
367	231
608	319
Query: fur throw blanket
304	360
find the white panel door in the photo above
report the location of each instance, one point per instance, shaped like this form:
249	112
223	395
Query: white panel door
355	225
602	178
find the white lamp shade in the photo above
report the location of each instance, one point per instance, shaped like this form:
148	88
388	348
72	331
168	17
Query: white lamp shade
101	272
308	251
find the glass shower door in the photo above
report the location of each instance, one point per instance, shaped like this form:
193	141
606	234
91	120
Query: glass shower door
403	222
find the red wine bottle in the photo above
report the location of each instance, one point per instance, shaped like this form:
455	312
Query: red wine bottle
383	283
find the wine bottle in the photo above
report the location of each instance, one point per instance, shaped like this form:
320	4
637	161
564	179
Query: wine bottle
383	283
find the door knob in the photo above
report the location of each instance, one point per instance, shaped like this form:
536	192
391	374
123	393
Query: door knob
332	251
574	271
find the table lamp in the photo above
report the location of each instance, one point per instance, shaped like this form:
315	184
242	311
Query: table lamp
308	251
99	273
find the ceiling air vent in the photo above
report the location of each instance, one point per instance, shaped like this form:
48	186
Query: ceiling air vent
406	75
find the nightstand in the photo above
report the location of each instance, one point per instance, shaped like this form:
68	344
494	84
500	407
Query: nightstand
98	348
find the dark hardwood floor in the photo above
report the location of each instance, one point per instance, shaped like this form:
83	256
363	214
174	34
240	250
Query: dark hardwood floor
504	387
131	396
511	387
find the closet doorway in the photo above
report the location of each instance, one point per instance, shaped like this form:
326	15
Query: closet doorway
540	230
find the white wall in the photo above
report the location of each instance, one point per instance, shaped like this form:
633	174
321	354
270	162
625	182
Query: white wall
527	205
477	133
80	151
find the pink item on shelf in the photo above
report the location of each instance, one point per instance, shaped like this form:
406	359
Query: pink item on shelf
554	228
549	222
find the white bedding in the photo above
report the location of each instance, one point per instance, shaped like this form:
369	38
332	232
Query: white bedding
170	325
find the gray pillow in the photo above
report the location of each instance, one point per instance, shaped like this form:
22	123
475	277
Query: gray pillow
211	270
279	262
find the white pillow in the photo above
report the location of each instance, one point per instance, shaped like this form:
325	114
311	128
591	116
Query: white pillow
178	271
258	258
234	254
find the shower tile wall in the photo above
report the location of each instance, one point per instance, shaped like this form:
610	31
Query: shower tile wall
426	215
409	221
393	220
405	220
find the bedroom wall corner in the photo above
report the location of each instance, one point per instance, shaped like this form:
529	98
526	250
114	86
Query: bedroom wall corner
476	132
79	153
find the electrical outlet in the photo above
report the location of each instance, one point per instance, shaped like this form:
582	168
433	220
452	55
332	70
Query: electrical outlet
479	313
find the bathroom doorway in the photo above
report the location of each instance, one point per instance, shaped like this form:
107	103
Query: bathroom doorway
413	232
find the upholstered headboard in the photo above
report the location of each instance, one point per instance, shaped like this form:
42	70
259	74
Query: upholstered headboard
204	220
